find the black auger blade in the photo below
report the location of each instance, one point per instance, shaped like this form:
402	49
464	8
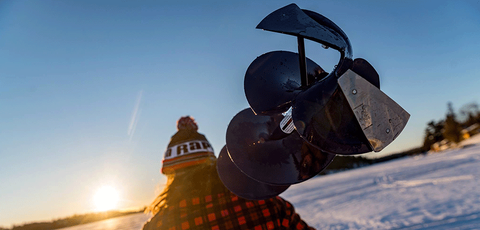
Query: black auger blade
257	147
294	21
242	185
273	80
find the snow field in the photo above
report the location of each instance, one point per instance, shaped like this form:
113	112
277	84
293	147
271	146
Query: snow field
433	191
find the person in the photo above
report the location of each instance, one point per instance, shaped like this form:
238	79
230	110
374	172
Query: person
195	197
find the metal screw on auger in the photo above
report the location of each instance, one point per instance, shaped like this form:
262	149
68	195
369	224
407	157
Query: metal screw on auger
388	130
354	91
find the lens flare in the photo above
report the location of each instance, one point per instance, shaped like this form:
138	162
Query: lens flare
106	198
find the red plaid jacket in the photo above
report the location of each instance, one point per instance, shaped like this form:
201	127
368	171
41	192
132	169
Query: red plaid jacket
225	212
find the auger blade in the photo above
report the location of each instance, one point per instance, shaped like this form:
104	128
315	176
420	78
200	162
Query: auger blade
257	147
294	21
242	185
273	80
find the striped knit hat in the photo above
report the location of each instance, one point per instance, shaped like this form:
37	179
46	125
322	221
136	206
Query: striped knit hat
187	147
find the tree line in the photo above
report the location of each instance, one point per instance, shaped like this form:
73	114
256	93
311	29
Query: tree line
454	128
71	221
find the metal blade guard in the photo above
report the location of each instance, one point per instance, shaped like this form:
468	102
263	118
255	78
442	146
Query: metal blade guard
380	118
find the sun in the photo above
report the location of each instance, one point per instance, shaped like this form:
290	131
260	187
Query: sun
106	198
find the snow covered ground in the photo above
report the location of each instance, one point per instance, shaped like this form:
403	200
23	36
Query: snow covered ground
434	191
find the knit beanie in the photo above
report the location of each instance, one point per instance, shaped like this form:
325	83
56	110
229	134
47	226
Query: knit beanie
187	148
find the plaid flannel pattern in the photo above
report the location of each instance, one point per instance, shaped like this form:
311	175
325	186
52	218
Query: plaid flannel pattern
227	212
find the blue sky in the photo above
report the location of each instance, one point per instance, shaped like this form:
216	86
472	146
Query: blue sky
90	90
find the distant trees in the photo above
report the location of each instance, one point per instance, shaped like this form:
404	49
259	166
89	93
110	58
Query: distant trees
470	114
450	129
72	220
433	134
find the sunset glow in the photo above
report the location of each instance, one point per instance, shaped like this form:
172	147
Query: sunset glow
106	198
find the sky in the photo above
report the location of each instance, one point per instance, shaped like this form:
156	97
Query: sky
90	91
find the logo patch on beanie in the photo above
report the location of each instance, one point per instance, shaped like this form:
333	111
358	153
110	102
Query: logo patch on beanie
187	148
